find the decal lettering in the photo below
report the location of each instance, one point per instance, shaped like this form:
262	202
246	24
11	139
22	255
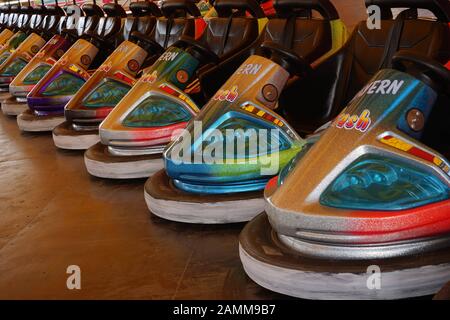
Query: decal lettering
105	67
250	68
349	122
226	95
123	48
168	56
150	78
62	61
40	54
382	87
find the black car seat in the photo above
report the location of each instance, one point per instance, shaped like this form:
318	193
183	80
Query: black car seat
81	21
109	28
142	23
177	20
106	35
296	31
13	18
26	12
90	19
143	20
54	15
228	39
37	18
335	82
4	16
21	18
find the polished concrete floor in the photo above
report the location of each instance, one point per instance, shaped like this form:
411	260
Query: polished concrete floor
53	214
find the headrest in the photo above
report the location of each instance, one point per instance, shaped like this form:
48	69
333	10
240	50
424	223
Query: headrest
5	8
41	9
14	8
114	10
55	11
324	7
170	7
440	8
26	9
145	8
91	9
225	8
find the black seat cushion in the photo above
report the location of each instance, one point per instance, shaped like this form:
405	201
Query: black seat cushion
141	24
311	38
168	30
242	32
335	82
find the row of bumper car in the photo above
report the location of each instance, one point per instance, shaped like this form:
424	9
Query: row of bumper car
332	145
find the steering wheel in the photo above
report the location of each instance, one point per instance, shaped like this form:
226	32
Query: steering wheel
204	52
433	68
292	62
151	44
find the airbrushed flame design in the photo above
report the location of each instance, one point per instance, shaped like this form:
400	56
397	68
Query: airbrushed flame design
227	95
19	57
107	94
133	120
360	123
38	66
108	84
69	74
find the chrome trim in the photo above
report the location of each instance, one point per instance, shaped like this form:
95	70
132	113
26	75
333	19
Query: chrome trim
83	127
135	151
326	250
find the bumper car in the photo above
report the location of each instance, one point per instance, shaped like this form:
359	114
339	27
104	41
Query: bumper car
20	20
5	31
171	92
47	98
115	77
69	30
295	46
228	188
25	56
364	214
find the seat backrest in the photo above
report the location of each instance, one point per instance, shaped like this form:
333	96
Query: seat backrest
335	82
430	38
24	17
90	19
143	18
110	25
294	28
52	19
37	18
4	14
179	19
235	27
13	16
